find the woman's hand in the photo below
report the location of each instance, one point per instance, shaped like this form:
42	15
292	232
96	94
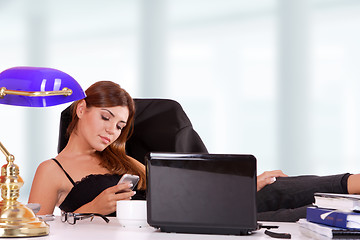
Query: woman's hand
105	202
268	177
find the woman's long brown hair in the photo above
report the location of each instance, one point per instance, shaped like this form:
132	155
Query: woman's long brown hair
113	158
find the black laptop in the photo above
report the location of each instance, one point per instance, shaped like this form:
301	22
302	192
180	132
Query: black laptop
201	193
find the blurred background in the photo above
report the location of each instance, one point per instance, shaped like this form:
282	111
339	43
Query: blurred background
275	78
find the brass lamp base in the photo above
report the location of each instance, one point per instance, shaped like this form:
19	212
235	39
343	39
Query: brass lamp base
17	220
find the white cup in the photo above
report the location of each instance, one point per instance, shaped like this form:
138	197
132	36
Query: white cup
132	213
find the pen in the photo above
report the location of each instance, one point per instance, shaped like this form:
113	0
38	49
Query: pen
278	235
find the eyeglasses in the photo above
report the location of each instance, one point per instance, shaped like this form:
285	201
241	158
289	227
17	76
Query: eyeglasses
71	218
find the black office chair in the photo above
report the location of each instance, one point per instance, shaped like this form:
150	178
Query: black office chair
161	125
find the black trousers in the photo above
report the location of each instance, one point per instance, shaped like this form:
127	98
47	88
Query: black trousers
286	199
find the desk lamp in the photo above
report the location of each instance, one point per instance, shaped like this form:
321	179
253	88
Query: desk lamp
31	87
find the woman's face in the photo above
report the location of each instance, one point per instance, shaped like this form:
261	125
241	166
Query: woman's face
102	126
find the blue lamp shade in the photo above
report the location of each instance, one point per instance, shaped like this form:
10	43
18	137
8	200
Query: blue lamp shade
38	87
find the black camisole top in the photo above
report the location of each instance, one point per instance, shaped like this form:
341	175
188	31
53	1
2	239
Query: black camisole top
90	187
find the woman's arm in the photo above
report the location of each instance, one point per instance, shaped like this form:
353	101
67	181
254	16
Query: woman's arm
105	202
46	187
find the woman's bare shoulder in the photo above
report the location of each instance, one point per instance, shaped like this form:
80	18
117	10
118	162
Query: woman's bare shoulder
48	167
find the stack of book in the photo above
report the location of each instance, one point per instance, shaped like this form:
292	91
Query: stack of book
332	216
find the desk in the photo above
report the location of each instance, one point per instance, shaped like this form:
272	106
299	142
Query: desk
99	229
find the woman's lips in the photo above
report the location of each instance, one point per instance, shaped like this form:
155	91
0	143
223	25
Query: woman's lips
105	139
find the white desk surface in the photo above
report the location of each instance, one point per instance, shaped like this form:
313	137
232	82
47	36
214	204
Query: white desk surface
99	229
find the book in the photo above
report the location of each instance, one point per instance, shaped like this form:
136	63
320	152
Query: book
344	202
334	218
319	231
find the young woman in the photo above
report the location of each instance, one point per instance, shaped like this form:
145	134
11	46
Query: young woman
84	176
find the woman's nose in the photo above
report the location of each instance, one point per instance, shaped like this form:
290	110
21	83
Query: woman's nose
110	128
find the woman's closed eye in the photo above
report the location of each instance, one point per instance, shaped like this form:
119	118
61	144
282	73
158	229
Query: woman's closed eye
105	118
119	127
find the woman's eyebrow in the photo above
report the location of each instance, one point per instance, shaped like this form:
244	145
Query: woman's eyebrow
108	111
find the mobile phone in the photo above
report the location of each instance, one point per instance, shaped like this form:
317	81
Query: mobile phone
134	179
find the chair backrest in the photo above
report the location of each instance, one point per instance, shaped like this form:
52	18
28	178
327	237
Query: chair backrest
161	125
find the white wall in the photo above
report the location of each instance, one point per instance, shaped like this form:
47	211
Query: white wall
275	78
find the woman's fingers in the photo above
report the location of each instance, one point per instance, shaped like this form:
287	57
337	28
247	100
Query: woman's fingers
121	187
268	177
263	182
123	191
125	195
274	173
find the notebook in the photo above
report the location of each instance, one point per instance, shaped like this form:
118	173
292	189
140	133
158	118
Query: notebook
201	193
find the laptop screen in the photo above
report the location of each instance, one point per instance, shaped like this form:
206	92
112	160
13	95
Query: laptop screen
211	191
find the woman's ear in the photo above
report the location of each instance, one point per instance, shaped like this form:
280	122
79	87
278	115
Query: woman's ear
80	109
